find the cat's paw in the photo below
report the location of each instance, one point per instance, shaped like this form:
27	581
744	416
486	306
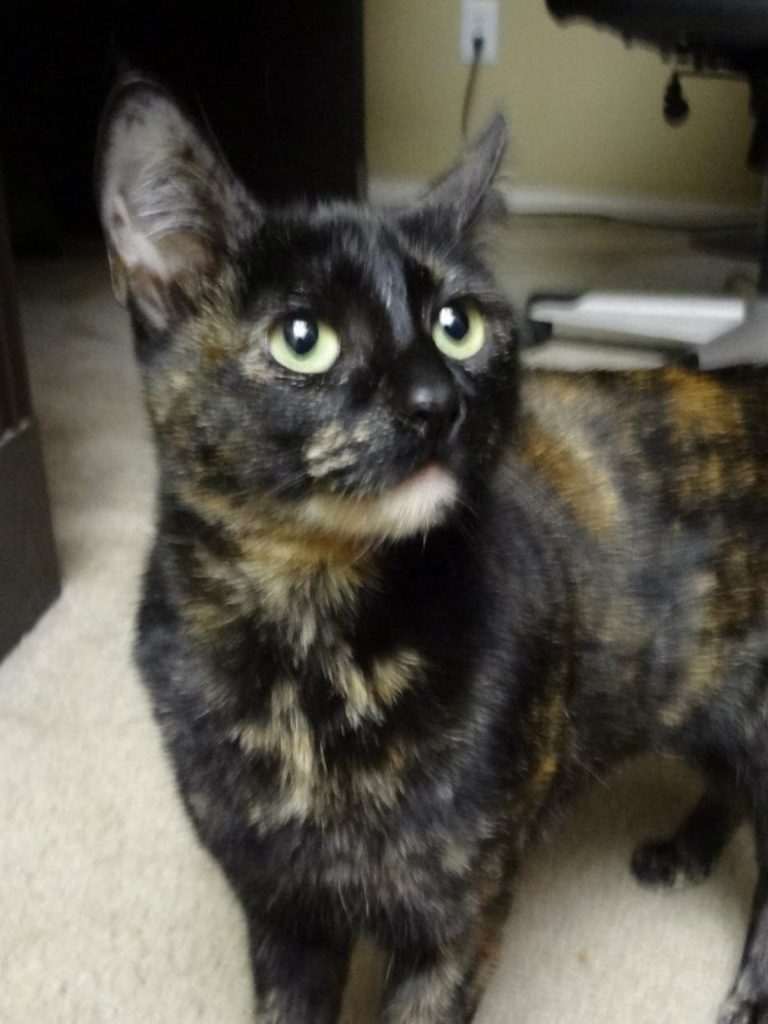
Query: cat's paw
669	862
747	1002
742	1010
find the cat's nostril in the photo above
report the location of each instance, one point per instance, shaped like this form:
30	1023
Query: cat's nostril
432	407
424	392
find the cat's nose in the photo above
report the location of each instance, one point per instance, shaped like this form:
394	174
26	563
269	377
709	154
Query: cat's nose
424	393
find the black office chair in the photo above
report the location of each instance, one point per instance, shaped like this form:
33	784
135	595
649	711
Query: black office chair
700	36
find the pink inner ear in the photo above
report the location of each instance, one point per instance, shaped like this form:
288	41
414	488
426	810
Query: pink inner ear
189	266
119	276
188	258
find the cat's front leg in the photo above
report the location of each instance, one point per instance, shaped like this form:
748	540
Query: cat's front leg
443	985
438	987
296	981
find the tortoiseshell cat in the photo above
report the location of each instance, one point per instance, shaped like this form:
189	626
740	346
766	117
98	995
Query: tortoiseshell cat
404	598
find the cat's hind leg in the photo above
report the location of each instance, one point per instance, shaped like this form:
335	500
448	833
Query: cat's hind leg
689	854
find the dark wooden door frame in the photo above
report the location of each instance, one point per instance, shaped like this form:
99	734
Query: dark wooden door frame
29	579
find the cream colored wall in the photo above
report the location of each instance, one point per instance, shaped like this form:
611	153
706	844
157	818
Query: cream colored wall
585	112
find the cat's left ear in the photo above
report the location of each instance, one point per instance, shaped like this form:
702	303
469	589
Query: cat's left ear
464	195
170	206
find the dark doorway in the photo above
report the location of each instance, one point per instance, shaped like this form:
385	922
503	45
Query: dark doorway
281	85
28	572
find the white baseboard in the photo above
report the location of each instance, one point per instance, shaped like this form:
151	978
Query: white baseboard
545	200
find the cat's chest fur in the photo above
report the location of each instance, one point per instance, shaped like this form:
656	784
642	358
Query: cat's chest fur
348	711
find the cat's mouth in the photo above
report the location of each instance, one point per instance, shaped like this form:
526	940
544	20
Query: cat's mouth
419	502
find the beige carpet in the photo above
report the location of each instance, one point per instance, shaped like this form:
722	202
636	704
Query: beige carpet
109	911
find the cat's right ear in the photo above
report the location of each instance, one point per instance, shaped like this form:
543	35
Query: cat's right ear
170	206
465	195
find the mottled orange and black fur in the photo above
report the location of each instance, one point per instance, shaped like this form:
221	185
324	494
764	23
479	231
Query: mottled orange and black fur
399	608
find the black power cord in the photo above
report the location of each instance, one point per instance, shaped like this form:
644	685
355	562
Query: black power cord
469	92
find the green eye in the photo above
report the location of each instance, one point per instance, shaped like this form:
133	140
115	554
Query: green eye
304	344
459	331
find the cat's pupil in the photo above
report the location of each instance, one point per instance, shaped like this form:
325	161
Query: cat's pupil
454	321
301	335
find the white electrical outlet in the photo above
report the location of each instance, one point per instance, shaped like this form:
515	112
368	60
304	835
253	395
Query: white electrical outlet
479	20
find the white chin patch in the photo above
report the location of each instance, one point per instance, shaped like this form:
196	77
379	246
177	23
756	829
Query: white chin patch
414	506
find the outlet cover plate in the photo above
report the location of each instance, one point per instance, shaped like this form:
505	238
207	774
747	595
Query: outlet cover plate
479	18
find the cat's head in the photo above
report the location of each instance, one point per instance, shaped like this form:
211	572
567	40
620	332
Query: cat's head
346	369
